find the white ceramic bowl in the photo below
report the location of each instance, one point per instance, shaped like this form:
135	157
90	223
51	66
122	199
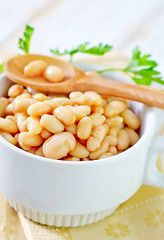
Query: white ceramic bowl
60	193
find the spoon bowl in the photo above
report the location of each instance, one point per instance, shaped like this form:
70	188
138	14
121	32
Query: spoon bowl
77	80
14	69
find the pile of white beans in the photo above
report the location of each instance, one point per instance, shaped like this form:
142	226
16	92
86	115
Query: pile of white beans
78	127
50	73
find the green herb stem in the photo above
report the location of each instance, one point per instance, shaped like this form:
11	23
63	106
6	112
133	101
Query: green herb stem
71	58
24	43
141	69
111	69
1	68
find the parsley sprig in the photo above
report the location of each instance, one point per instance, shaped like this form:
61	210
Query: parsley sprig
1	68
100	49
141	69
24	43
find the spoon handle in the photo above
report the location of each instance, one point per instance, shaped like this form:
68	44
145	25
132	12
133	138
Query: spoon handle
148	95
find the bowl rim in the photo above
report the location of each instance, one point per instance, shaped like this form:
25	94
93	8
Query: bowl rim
147	134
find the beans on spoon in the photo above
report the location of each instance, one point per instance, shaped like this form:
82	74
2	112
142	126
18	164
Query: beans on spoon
76	80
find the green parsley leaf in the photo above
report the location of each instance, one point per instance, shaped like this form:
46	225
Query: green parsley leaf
24	43
141	69
1	68
100	49
57	52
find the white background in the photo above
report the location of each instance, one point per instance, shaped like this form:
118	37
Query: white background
65	23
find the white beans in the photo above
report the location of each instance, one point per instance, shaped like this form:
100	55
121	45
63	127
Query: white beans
100	150
65	115
134	137
112	150
60	101
54	74
31	90
96	138
114	131
52	124
96	98
59	145
24	95
9	109
80	98
112	140
106	155
32	150
40	97
114	108
22	104
8	126
29	139
21	121
33	125
80	151
51	73
80	111
24	147
9	138
106	128
97	119
114	121
12	118
84	128
123	140
15	90
3	104
40	108
97	109
39	152
34	68
71	128
75	159
130	119
81	127
45	133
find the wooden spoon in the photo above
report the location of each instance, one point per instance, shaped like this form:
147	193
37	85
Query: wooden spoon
76	80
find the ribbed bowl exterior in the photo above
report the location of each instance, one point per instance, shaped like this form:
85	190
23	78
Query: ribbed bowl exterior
60	220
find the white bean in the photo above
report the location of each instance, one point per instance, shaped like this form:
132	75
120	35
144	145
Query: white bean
54	74
52	124
59	145
79	151
34	68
